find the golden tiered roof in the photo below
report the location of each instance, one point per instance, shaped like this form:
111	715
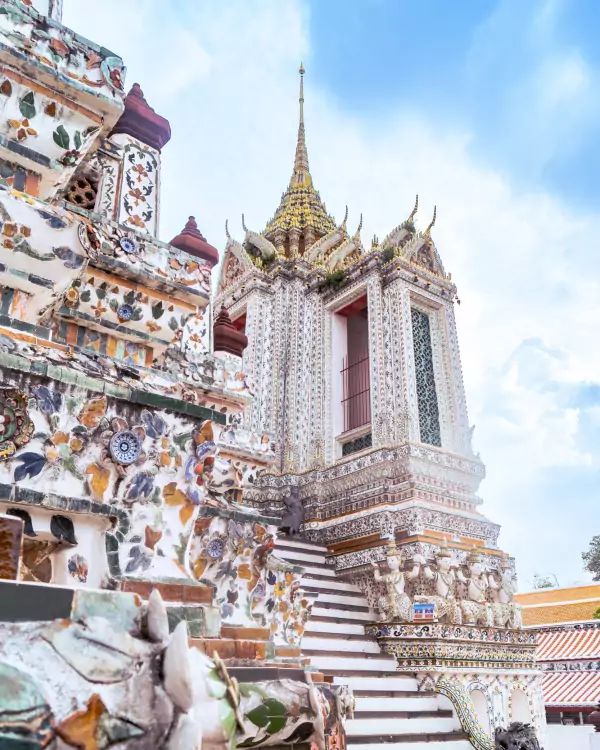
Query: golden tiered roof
301	207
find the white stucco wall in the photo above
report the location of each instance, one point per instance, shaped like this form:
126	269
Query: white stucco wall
572	737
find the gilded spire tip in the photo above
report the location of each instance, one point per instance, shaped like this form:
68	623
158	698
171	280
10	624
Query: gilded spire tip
301	175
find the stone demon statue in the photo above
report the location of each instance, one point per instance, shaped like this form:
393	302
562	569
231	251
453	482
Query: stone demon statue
293	516
517	737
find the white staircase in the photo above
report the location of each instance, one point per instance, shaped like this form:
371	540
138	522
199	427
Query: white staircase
389	711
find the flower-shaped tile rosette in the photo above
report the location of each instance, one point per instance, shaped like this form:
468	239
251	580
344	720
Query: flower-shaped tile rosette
123	445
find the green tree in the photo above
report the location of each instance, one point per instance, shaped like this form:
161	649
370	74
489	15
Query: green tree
591	558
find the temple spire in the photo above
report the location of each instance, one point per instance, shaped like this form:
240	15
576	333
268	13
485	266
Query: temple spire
301	218
301	175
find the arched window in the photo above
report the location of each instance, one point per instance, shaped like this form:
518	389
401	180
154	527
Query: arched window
519	707
480	705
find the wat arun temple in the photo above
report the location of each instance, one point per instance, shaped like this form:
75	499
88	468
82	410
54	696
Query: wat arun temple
237	509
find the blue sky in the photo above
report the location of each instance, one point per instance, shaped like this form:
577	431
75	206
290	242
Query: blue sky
475	64
488	109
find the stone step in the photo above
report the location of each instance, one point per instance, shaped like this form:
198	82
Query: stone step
430	713
332	638
397	681
334	627
449	741
398	726
310	571
328	601
344	599
332	613
364	645
319	574
328	585
375	663
343	674
300	557
396	701
286	541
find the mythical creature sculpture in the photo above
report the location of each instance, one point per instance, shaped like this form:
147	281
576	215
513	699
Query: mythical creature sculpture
293	516
517	737
395	603
506	612
444	584
475	608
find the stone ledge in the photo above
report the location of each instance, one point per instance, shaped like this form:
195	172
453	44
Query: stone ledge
228	648
171	591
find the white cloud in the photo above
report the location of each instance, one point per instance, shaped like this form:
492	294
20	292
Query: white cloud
525	263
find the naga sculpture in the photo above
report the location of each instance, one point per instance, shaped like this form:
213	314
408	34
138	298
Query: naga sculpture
293	517
518	736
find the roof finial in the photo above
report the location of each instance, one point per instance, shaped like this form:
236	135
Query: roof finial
343	226
413	213
301	174
359	227
431	223
244	227
227	229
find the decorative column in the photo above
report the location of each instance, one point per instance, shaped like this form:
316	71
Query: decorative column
195	336
294	234
379	416
279	241
461	437
132	196
394	336
228	342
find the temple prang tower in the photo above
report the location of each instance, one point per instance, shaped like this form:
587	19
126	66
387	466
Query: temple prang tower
354	360
150	449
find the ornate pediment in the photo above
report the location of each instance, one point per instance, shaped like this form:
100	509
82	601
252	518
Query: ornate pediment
423	253
236	264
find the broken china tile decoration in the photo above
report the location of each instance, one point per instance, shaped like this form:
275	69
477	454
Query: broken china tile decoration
53	130
156	466
62	254
92	297
56	47
75	677
251	586
28	116
177	270
138	201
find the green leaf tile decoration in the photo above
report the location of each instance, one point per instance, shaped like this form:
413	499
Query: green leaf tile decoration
27	105
61	137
